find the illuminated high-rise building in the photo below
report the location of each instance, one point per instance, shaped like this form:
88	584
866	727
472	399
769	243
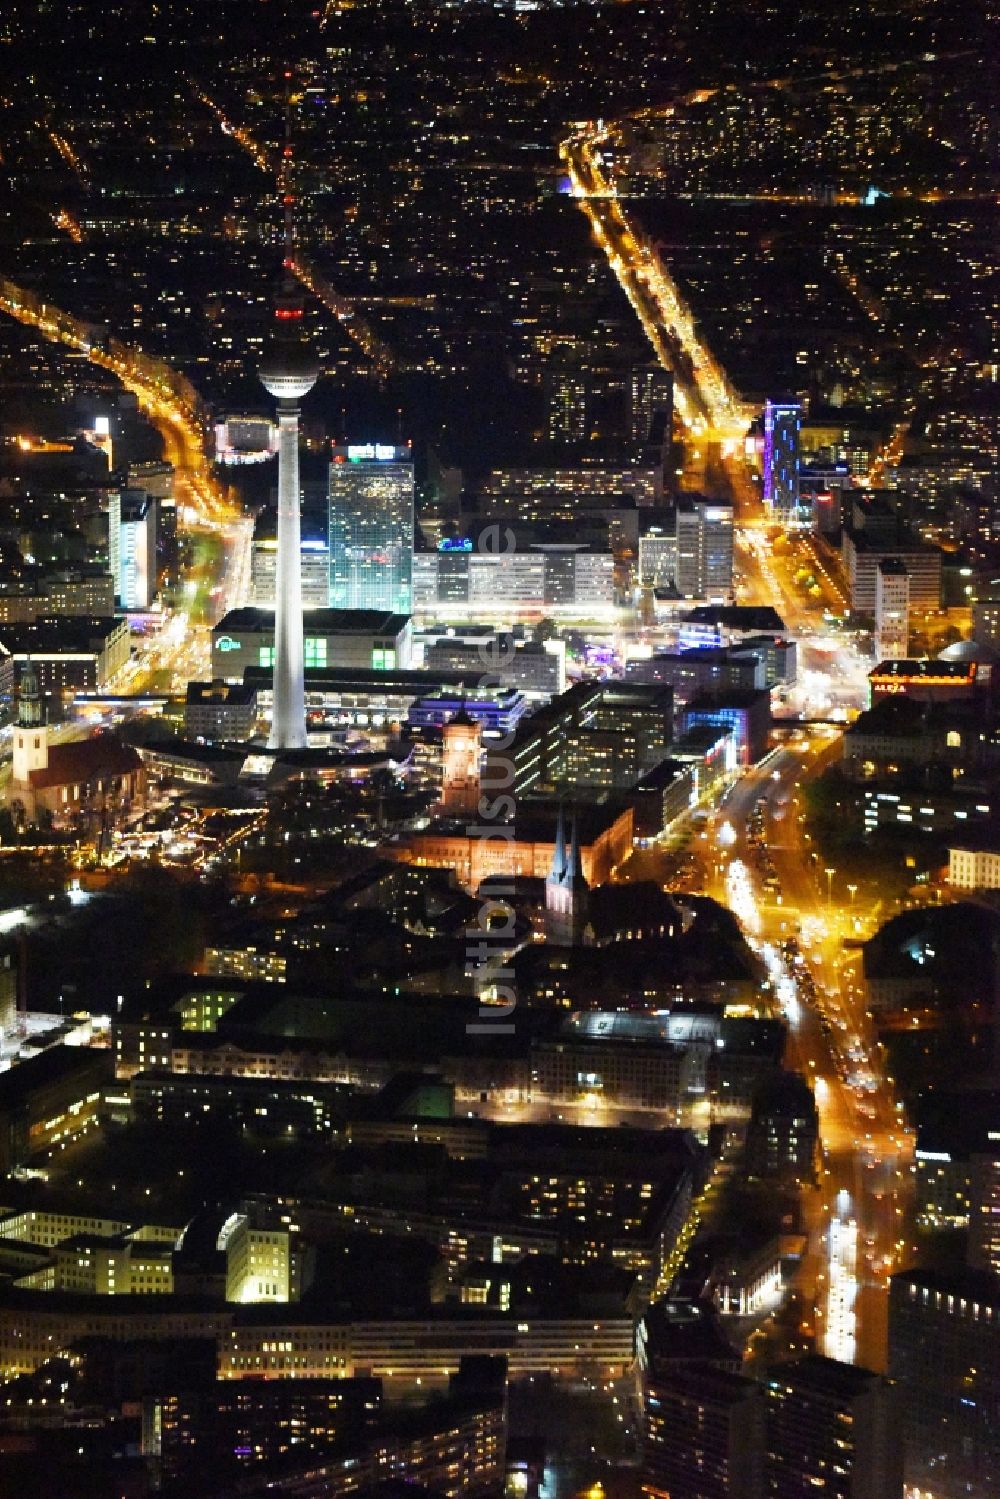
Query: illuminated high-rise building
567	391
132	547
156	478
704	554
833	1428
984	1208
650	394
944	1352
892	610
783	1130
314	545
703	1435
371	527
782	425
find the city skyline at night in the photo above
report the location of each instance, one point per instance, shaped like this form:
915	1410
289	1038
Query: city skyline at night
499	749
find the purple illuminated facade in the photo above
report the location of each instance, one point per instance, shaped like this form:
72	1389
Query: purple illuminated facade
782	423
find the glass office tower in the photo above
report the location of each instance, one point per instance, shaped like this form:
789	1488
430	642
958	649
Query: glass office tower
371	528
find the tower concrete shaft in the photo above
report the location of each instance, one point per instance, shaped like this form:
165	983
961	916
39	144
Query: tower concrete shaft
288	718
288	372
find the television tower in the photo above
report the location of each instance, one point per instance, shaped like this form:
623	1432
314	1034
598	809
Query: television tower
288	372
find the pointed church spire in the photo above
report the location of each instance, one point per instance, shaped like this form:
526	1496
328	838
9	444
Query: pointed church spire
567	894
558	871
574	871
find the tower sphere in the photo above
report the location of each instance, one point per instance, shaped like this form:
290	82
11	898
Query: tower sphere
289	369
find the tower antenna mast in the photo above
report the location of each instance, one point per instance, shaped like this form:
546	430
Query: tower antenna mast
287	178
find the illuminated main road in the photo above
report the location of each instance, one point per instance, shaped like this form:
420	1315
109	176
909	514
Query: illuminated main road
866	1149
167	398
842	1284
181	649
703	397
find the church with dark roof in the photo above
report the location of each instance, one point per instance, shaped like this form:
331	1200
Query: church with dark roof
64	779
567	893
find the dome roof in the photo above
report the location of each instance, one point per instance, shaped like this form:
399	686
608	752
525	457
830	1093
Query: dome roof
970	650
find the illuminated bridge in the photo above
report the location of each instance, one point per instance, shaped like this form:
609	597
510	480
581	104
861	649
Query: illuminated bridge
141	702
